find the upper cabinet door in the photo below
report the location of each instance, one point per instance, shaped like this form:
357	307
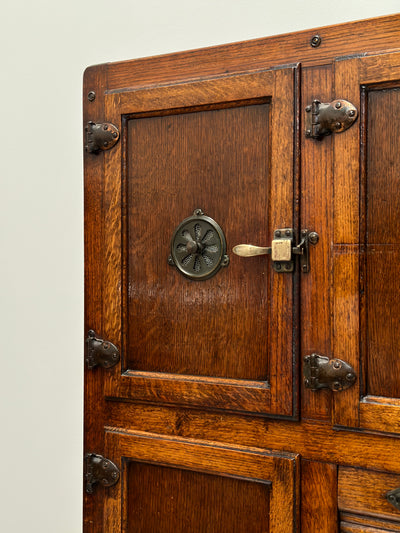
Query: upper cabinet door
367	243
201	166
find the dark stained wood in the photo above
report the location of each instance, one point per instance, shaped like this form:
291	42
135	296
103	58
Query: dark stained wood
383	311
316	194
318	497
279	471
276	394
383	165
382	187
216	160
365	211
203	416
94	244
183	500
346	328
314	441
355	38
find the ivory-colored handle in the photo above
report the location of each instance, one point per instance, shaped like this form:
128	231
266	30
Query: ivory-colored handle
249	250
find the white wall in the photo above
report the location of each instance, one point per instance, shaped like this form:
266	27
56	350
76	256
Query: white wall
45	47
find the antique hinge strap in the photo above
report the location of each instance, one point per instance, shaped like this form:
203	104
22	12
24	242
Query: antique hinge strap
99	469
100	352
320	372
325	119
100	137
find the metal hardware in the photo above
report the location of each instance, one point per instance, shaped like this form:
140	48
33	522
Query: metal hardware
91	96
100	352
99	469
324	119
315	41
320	372
100	137
393	497
198	247
282	250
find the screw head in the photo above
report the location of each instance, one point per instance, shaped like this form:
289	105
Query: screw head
308	133
277	233
350	377
278	266
91	96
336	385
338	125
338	105
352	113
313	237
308	109
315	41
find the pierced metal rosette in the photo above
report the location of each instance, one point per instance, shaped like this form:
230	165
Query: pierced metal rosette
198	247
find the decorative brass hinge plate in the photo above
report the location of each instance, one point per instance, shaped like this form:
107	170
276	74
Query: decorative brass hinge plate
100	137
393	497
99	469
100	352
324	119
320	372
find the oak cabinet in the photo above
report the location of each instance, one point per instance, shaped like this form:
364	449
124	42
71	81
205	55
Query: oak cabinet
205	404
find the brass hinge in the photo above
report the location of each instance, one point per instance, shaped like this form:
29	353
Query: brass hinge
282	250
320	372
99	469
324	119
100	137
100	352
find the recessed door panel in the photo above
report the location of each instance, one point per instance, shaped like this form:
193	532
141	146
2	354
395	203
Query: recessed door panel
216	160
172	499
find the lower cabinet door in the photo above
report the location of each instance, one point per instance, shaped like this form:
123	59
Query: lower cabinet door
169	485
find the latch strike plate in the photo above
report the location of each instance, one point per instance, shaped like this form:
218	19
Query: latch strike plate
325	119
100	137
100	352
99	469
282	250
320	372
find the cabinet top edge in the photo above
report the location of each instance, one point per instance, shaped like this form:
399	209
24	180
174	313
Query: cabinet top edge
359	37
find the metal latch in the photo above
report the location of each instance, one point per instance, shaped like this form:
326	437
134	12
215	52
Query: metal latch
320	372
100	137
324	119
99	469
282	250
100	352
393	497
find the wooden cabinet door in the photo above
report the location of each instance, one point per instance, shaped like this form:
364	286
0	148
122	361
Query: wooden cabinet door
223	148
367	243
